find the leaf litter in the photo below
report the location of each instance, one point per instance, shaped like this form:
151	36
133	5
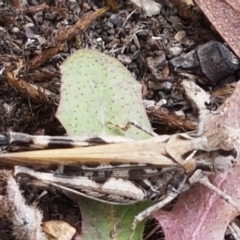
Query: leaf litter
90	24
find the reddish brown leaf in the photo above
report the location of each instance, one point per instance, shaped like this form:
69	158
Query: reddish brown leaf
205	213
235	4
225	18
199	212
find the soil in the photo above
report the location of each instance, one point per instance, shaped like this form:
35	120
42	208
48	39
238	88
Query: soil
143	44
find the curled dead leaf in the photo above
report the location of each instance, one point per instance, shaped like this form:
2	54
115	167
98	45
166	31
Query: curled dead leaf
37	8
171	120
37	94
112	4
65	34
58	230
185	9
221	94
44	56
17	4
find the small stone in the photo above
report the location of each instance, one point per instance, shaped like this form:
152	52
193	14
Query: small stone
133	48
216	61
15	29
125	59
116	20
164	86
175	51
179	36
150	7
142	35
111	31
186	61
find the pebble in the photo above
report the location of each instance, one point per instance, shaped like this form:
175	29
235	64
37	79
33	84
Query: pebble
15	30
175	51
116	20
164	86
179	36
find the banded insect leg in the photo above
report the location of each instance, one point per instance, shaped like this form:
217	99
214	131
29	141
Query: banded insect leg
201	177
202	115
234	230
205	181
115	191
170	196
42	141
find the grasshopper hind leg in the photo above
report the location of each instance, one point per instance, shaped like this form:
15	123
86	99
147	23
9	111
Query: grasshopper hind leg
170	196
234	230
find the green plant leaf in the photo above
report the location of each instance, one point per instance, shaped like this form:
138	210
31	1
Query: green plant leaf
97	89
110	222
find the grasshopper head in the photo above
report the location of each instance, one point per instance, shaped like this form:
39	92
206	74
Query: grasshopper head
224	160
230	138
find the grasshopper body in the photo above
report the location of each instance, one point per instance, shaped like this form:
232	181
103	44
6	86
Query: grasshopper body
126	171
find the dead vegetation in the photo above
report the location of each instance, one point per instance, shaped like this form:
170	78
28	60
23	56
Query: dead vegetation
36	37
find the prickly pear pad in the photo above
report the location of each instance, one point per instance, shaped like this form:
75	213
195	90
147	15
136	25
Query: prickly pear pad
96	89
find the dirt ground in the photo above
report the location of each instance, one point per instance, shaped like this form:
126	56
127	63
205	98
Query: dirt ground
31	51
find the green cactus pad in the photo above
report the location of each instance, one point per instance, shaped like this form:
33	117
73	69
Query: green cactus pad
97	89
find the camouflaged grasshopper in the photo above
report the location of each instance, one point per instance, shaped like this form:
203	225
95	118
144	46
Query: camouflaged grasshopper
123	171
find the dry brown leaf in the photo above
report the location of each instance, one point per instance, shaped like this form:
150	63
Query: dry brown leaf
112	4
44	74
64	34
220	95
16	4
188	2
225	19
170	119
184	8
36	9
166	70
58	230
44	56
7	21
37	94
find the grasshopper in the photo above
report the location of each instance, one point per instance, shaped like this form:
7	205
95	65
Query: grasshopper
124	171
